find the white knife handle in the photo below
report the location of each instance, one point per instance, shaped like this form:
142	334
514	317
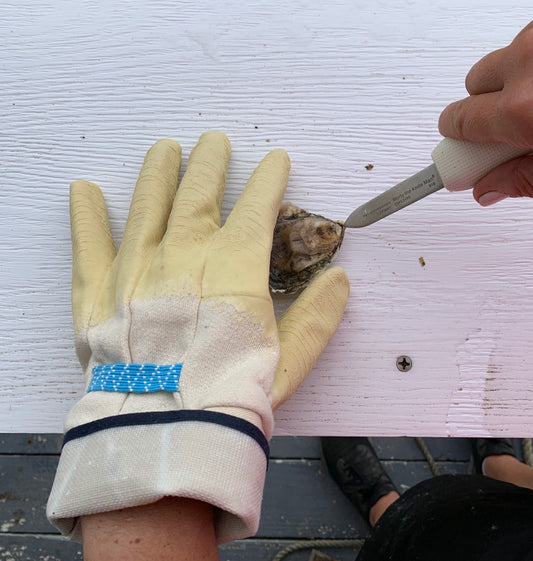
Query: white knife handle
461	163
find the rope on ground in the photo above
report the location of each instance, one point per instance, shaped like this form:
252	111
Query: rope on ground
427	454
527	451
308	544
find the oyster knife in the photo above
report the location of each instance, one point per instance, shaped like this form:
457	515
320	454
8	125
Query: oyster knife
457	165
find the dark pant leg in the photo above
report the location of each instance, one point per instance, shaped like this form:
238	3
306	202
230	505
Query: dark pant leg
455	518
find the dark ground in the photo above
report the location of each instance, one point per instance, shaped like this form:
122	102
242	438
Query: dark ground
301	502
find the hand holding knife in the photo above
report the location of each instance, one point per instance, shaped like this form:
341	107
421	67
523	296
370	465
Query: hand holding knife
458	165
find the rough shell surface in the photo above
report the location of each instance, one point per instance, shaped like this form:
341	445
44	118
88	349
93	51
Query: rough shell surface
304	244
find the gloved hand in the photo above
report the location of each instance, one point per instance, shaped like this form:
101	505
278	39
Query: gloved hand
176	333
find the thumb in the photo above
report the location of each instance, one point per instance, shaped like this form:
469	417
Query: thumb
306	328
512	179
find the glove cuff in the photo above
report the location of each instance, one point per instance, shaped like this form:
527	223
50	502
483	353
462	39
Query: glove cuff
134	459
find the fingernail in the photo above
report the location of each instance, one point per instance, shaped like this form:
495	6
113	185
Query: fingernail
491	198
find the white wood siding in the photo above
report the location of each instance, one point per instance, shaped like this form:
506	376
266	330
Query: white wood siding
86	87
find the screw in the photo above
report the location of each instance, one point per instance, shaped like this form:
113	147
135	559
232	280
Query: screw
404	363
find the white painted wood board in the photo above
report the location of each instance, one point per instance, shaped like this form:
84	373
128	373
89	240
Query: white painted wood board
88	86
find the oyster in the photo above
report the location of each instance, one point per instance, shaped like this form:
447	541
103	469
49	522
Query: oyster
304	244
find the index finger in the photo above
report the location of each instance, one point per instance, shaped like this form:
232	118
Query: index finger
257	208
475	118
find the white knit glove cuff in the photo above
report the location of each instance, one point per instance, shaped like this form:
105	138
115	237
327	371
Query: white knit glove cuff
134	459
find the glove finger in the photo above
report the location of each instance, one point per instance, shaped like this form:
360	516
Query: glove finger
149	211
196	210
93	248
306	328
247	235
253	218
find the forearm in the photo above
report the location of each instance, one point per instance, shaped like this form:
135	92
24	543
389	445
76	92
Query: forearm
170	529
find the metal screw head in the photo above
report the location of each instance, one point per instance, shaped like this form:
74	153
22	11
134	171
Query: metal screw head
404	363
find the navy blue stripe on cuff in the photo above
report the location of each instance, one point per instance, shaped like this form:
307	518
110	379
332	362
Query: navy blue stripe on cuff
162	417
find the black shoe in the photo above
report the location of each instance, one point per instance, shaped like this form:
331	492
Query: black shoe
354	466
484	447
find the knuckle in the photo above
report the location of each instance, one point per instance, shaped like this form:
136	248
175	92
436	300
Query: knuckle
517	111
458	119
523	45
465	122
458	124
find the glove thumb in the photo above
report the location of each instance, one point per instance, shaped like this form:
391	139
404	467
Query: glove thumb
306	328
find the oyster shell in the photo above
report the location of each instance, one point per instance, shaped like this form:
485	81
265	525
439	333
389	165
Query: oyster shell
304	244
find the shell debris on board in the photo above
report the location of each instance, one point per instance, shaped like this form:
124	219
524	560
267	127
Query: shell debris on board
304	244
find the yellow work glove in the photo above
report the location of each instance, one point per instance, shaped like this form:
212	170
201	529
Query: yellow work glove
176	333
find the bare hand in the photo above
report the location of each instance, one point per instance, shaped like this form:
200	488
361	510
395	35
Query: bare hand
499	109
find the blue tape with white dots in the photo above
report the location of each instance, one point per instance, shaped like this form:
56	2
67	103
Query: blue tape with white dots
135	378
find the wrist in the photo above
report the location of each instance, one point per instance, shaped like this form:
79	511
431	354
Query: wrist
134	459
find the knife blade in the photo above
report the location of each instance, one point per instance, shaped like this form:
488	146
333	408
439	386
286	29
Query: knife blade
458	165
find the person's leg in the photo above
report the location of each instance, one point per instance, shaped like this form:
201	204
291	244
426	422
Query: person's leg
352	461
380	507
355	467
510	469
455	517
471	517
495	458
